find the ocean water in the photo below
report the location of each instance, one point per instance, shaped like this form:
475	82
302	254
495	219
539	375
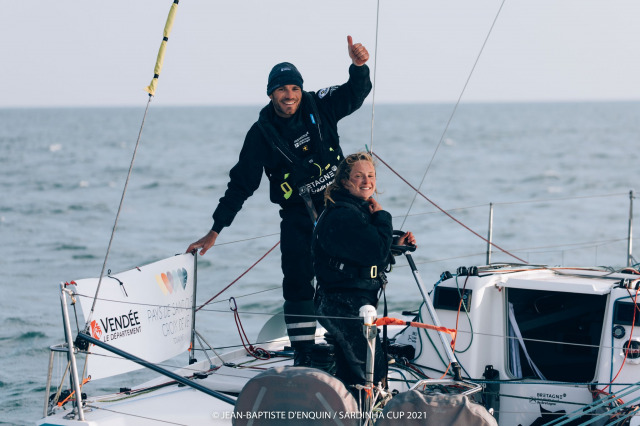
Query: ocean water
559	177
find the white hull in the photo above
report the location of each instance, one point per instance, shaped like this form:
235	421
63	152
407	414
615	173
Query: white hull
581	305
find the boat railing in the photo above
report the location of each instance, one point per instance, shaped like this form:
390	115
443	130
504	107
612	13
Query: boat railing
70	350
62	348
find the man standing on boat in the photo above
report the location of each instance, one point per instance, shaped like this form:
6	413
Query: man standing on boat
295	141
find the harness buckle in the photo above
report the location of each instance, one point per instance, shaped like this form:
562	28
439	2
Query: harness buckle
374	271
286	188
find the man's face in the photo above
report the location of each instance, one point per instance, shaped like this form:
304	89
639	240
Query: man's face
286	100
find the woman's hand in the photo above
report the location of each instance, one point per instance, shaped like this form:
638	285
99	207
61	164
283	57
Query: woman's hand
407	239
374	206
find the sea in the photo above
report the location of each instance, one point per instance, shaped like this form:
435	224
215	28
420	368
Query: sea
557	177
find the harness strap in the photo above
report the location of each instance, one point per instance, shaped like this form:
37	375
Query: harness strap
344	266
308	203
301	169
351	271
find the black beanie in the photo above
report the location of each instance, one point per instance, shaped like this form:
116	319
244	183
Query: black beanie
282	74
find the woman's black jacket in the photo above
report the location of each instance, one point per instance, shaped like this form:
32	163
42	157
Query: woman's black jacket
351	246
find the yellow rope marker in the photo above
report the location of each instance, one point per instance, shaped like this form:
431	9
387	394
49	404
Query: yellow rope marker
151	88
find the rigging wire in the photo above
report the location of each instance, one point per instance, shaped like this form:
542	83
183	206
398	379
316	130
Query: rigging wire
375	67
446	128
115	224
417	191
151	89
240	276
255	352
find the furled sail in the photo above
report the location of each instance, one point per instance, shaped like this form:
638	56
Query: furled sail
151	88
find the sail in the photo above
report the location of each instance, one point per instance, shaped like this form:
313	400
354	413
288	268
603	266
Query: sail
145	311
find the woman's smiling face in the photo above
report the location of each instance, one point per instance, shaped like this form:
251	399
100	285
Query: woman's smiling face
362	180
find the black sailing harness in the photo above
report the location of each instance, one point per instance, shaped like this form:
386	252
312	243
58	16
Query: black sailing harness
302	170
345	267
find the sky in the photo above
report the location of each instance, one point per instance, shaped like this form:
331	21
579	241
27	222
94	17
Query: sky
97	53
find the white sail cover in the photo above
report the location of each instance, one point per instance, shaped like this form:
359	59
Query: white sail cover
145	311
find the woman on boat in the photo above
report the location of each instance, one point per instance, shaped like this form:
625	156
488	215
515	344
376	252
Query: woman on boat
351	250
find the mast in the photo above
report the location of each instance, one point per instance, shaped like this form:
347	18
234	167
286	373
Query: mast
630	235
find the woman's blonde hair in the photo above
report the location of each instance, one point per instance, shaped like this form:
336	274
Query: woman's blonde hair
344	171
